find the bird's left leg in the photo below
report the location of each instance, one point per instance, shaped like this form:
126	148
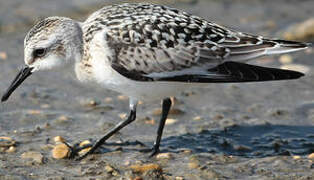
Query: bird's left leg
166	105
131	118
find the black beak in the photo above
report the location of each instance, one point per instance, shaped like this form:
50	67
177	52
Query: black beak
23	74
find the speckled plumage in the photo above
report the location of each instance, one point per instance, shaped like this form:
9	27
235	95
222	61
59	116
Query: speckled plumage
147	39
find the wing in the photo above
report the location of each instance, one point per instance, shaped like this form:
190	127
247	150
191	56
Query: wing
143	63
154	42
191	64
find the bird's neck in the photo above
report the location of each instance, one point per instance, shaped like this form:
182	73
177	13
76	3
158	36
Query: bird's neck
76	43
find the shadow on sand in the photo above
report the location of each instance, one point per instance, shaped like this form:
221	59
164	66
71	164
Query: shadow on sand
247	141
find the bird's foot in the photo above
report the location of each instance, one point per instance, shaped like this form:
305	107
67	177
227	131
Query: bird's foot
79	152
153	151
88	149
82	152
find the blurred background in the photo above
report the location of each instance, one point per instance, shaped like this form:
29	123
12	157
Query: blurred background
223	131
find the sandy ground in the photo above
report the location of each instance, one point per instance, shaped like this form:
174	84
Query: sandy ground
222	131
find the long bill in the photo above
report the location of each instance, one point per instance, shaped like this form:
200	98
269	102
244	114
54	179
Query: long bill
22	75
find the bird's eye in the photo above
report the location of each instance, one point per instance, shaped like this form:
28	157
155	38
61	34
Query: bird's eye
39	52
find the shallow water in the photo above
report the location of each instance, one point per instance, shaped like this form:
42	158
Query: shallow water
244	131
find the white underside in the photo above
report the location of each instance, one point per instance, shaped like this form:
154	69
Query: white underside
108	78
138	90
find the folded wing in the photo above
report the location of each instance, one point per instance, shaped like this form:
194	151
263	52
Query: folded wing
236	72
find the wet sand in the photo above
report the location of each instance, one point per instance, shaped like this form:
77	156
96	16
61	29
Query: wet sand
223	131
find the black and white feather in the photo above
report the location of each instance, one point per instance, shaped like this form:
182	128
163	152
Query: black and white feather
158	43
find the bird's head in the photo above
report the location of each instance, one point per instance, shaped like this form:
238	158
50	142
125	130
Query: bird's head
52	43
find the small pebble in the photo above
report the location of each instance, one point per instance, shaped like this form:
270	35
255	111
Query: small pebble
34	112
122	98
3	55
285	59
108	100
242	148
123	115
111	170
311	156
145	167
89	102
6	142
45	106
33	155
61	151
193	165
179	178
11	149
84	151
127	163
84	143
164	156
170	121
187	151
194	162
197	118
296	157
92	103
59	139
63	118
2	149
148	120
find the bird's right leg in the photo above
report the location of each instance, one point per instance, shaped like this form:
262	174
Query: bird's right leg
131	118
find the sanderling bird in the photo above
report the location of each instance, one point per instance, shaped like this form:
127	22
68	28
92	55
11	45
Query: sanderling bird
148	52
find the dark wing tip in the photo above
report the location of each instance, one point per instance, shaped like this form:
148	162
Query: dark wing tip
231	72
257	73
295	74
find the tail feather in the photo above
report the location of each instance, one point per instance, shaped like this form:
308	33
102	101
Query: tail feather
249	47
240	72
283	46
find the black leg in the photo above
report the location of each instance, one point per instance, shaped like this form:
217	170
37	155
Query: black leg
166	104
131	118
